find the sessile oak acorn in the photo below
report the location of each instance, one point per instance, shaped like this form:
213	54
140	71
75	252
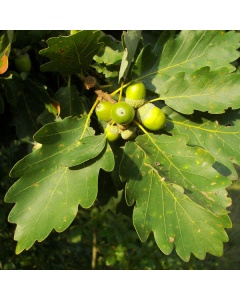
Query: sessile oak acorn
112	132
122	113
151	117
135	94
103	111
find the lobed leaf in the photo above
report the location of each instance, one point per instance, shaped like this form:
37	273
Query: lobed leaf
203	90
65	144
55	179
111	53
178	194
50	200
71	54
190	50
218	134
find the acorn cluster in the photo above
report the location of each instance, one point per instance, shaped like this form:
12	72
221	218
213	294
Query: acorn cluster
120	116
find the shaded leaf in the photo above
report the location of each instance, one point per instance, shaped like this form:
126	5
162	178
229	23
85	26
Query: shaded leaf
178	194
108	196
131	39
30	100
190	50
218	134
13	87
71	54
70	101
204	90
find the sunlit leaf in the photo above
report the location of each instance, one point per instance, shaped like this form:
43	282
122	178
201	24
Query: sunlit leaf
55	179
204	90
179	196
189	51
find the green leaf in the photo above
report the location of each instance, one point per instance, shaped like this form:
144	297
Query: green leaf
111	53
71	54
70	101
13	87
65	144
131	40
50	189
29	100
218	134
204	90
190	50
108	60
179	196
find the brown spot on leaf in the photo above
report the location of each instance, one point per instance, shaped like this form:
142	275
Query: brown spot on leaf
207	196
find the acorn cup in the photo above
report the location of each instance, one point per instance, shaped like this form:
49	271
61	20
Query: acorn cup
135	94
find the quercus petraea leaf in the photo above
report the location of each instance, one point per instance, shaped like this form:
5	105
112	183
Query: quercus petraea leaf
55	179
71	54
203	90
65	144
189	51
111	53
178	194
218	134
177	181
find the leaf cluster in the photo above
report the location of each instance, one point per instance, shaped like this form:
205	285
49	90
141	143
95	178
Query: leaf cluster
175	180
